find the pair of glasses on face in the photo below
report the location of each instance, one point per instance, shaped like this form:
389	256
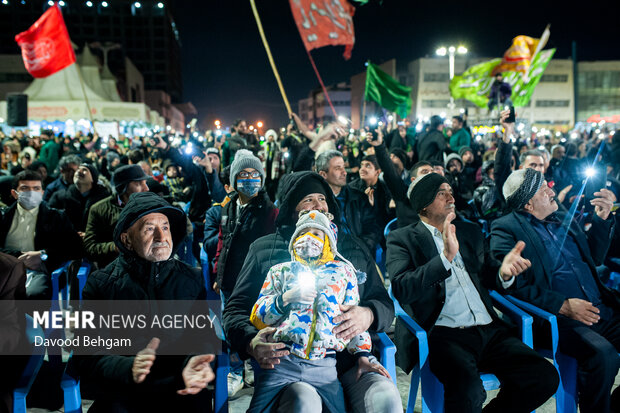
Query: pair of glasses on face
246	174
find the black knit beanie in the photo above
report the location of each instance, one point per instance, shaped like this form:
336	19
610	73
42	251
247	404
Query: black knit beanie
424	190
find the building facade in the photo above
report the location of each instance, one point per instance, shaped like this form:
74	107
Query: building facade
144	31
315	109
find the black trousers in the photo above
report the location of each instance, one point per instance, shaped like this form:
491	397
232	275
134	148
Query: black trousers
457	356
596	350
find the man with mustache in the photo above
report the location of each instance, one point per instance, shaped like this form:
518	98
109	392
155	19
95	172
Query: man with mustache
169	371
563	279
437	270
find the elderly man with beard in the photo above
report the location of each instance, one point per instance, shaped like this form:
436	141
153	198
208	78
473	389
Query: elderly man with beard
441	288
375	312
563	279
146	273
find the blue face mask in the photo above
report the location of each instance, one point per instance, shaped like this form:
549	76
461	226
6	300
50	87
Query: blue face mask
248	187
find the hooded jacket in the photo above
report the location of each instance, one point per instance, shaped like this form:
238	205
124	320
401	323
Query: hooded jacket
273	249
133	279
237	232
77	206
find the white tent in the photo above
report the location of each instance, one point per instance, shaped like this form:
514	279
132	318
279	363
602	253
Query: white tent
60	97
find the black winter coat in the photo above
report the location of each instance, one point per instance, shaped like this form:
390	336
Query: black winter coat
77	206
273	249
147	284
237	233
404	212
431	146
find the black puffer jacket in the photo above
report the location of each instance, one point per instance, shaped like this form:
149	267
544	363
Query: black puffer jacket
237	233
135	280
273	249
77	206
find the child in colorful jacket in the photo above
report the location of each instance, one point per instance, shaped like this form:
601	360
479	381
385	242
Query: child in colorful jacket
301	298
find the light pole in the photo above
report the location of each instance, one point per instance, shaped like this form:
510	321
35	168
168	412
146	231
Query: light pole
451	51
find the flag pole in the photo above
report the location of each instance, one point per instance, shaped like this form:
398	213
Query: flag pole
542	43
318	76
90	115
363	112
270	57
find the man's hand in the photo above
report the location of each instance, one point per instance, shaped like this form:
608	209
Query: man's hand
143	361
450	243
32	260
370	193
364	365
509	128
196	374
158	142
514	263
332	132
562	194
265	350
216	287
354	320
300	295
603	203
204	162
580	310
377	141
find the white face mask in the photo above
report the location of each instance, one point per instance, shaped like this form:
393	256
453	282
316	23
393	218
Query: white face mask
308	246
29	199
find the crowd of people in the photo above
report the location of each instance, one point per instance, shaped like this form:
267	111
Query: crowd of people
292	227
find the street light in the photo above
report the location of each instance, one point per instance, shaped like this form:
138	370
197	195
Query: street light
451	51
259	124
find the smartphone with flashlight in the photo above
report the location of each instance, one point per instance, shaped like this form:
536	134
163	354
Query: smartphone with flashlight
595	180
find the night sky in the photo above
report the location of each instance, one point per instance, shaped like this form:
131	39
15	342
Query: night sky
226	73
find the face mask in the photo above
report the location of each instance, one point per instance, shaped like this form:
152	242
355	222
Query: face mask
29	199
308	246
248	187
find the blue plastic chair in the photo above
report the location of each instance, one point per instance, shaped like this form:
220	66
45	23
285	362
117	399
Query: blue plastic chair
432	389
204	263
32	367
82	275
566	395
393	224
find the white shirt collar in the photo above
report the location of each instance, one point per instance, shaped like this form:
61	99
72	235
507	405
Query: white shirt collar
434	231
23	211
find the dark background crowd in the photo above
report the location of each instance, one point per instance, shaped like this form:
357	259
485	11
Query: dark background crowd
62	196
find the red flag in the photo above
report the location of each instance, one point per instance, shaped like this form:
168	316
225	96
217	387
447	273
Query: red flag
325	23
46	47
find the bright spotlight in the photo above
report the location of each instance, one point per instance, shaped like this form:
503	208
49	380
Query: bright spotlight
590	172
160	5
373	121
137	5
441	51
104	4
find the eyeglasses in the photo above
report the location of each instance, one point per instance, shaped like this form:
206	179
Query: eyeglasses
245	174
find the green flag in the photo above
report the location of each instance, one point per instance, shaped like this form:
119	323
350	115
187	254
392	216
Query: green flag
387	92
522	91
475	83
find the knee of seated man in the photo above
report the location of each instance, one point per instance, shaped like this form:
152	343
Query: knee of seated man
300	397
605	358
382	396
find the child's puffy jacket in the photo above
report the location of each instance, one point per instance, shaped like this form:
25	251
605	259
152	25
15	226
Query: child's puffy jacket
308	328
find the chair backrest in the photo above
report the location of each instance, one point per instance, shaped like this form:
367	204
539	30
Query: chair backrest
390	226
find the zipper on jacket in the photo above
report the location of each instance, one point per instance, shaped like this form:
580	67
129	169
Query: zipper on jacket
312	330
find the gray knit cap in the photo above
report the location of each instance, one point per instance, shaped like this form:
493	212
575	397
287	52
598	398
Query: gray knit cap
521	186
245	159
